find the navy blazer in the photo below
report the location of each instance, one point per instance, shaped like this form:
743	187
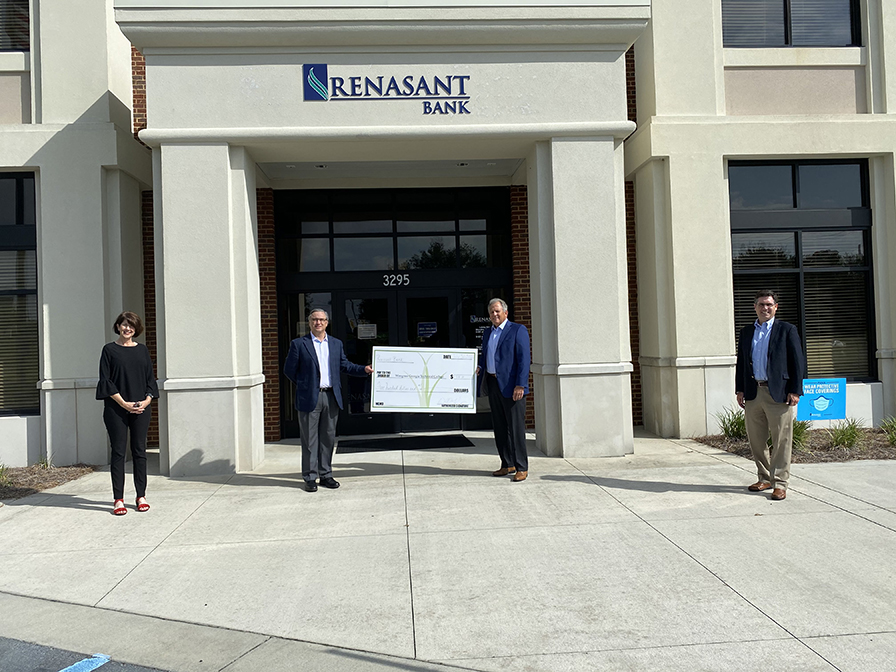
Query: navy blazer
303	369
786	363
512	358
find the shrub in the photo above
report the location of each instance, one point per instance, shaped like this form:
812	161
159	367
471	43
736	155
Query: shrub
846	433
889	427
733	424
800	433
4	474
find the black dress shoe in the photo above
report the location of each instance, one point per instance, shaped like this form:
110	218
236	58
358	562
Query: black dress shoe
310	486
329	482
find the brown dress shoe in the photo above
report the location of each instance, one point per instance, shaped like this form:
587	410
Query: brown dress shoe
503	471
519	476
778	494
759	486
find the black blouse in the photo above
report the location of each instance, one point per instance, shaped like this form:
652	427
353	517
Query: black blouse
128	371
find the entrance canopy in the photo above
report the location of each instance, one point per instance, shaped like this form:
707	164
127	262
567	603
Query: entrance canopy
398	93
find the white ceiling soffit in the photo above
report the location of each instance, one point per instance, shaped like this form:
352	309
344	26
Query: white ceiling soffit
389	169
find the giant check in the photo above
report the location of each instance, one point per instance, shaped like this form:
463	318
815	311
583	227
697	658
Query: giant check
423	380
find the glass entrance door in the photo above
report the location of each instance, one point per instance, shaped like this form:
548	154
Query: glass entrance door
364	320
428	319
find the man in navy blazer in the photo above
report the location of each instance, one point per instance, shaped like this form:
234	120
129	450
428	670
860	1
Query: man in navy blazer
769	383
504	376
314	364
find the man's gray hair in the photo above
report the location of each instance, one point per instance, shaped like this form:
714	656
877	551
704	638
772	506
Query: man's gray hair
497	300
319	310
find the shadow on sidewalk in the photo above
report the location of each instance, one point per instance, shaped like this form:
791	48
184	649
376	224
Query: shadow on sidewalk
649	486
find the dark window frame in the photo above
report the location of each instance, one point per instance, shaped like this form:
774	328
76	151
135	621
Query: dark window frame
21	236
855	15
498	225
13	23
798	221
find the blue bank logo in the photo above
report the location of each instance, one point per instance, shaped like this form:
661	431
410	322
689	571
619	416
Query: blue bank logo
314	77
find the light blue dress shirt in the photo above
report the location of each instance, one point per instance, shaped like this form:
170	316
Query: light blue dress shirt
322	348
761	332
492	347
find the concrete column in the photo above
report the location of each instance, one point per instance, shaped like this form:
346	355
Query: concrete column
580	354
73	325
684	291
883	208
208	310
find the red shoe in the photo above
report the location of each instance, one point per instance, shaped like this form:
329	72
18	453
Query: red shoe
118	507
142	506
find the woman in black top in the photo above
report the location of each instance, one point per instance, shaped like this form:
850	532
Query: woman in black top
127	387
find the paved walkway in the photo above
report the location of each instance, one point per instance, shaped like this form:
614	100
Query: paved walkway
422	561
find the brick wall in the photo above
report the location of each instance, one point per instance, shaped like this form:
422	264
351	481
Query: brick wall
521	310
149	301
631	251
270	350
637	408
138	77
630	90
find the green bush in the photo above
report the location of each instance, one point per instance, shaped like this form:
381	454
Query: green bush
733	424
889	427
800	433
846	433
4	474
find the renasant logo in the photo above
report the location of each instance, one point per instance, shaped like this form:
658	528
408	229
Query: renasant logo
315	77
438	94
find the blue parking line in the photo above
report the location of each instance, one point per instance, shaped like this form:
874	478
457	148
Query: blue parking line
88	664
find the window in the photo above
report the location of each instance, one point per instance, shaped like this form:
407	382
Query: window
19	370
389	230
790	23
803	229
14	25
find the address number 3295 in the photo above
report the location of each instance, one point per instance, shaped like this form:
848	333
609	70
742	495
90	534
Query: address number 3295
396	279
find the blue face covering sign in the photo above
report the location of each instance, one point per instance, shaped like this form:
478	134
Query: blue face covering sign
823	399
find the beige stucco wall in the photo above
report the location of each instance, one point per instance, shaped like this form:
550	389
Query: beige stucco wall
770	104
74	134
809	90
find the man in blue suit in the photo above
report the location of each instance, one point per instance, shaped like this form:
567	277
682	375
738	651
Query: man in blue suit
314	363
768	383
504	377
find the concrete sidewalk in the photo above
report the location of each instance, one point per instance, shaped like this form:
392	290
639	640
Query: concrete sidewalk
422	561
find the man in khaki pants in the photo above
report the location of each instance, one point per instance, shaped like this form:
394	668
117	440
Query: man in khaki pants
768	383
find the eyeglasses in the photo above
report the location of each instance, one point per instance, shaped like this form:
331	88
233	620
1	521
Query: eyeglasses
766	305
318	319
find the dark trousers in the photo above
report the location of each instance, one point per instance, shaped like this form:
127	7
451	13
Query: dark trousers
509	422
318	432
118	423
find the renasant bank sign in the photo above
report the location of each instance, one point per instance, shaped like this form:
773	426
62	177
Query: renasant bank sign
438	95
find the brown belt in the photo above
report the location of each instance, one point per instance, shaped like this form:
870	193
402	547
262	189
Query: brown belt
762	383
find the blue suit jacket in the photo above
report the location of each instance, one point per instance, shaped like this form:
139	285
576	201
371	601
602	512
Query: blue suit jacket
786	363
303	369
512	358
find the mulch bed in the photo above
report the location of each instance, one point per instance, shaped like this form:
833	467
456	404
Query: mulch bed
817	448
19	482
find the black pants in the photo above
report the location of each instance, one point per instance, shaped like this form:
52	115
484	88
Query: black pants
118	423
509	422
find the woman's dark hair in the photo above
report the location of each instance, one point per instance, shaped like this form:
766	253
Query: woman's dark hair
132	319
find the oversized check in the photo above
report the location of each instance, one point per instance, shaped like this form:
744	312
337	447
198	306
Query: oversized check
423	380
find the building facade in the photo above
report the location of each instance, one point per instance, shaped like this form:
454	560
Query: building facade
401	163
